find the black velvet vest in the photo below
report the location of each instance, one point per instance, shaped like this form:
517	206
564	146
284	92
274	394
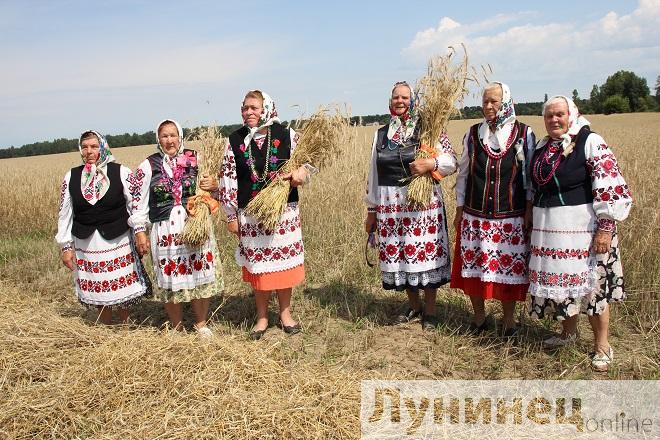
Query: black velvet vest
246	188
393	160
108	215
495	187
571	184
161	199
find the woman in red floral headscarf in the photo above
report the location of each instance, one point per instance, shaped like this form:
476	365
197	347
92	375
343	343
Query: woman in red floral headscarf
413	243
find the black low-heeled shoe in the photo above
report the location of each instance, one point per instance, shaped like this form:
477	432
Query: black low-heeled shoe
475	329
291	329
255	335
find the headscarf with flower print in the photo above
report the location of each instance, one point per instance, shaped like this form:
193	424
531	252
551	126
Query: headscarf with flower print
94	182
505	117
268	117
575	123
181	159
401	128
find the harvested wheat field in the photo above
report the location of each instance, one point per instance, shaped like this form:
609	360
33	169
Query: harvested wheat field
62	375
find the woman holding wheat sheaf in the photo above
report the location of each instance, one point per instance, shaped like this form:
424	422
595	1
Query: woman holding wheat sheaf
579	196
412	241
271	259
93	231
493	210
164	183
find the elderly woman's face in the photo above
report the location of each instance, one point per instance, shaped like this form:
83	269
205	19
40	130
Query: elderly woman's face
168	137
400	101
556	118
251	111
491	103
90	150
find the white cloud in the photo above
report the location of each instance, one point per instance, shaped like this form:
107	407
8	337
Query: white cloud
551	51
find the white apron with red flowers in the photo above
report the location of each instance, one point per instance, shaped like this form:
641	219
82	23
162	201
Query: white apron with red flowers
265	251
494	250
176	265
411	240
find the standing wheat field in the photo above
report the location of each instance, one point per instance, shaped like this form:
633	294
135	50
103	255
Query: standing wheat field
61	375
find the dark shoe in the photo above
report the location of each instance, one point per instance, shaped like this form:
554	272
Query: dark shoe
408	316
255	335
429	322
291	329
512	332
476	330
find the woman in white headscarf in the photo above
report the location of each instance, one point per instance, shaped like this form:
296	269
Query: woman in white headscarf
163	184
413	243
93	232
271	260
579	196
493	210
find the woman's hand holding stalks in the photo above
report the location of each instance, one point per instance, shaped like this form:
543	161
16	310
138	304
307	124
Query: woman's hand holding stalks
232	226
296	177
141	243
422	166
208	183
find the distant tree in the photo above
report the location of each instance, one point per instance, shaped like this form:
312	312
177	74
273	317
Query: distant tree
545	98
595	100
575	96
616	104
657	90
627	85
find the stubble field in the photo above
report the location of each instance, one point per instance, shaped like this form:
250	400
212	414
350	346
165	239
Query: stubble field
62	375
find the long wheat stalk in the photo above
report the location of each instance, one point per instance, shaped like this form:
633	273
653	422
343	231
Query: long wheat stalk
437	92
197	229
321	139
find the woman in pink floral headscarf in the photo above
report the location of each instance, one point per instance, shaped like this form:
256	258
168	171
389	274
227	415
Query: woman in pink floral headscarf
93	232
579	196
162	185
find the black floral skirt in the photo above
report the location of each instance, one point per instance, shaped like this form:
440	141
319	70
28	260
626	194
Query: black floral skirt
611	289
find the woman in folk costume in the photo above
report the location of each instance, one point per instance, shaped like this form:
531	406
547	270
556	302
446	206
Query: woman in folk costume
493	210
413	244
579	196
164	182
271	260
93	233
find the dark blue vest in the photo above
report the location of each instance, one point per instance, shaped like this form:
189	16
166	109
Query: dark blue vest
571	184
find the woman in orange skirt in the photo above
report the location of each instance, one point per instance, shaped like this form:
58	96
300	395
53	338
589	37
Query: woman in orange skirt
271	260
493	210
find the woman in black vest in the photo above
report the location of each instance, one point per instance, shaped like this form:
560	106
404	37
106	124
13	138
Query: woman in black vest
413	243
93	233
493	210
271	260
579	195
163	183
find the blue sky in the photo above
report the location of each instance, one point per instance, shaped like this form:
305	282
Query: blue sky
122	66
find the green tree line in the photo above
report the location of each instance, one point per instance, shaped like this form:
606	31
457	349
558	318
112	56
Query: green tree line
622	92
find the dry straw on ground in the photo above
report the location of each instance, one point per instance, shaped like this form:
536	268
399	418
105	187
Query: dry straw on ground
211	144
438	92
147	383
322	138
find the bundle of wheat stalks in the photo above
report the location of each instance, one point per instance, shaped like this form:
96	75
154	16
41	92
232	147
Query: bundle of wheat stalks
437	92
321	139
198	224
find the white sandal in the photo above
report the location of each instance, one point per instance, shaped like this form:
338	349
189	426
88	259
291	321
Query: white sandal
601	361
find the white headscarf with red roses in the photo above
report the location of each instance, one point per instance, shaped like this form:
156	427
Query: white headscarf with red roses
268	117
575	123
94	181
